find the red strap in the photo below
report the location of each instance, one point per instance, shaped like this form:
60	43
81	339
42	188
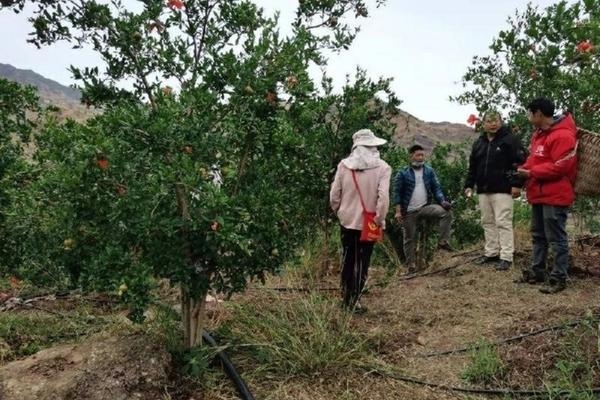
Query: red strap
362	201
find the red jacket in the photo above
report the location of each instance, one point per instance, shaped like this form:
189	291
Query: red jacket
552	162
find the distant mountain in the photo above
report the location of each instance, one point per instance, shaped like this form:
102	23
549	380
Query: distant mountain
49	91
45	86
411	130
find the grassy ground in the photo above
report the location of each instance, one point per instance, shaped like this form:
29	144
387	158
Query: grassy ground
301	345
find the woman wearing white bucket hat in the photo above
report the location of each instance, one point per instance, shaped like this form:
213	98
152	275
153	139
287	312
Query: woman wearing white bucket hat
362	174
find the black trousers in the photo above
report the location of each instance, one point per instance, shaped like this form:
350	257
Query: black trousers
356	256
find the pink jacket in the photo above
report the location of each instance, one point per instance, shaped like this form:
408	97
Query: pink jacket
374	185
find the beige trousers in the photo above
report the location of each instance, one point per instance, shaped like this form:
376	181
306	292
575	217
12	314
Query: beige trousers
497	222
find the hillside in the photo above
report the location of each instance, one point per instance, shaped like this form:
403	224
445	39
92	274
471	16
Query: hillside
50	92
47	88
409	128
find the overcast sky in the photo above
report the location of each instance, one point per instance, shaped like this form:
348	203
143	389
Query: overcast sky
424	45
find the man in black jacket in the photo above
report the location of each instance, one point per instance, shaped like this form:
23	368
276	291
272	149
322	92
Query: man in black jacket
492	166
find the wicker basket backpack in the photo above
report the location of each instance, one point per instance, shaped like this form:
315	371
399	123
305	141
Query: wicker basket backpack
588	169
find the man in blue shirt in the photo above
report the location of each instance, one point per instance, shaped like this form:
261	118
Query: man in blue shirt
414	188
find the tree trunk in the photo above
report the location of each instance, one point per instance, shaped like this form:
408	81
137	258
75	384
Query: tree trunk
193	307
193	313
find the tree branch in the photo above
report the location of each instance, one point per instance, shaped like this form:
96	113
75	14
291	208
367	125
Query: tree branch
200	42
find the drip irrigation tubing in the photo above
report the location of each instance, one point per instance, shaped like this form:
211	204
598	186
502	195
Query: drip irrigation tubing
474	390
229	368
403	278
507	340
439	271
297	289
465	253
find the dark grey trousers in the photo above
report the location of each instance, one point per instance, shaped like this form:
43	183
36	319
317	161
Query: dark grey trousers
548	230
411	223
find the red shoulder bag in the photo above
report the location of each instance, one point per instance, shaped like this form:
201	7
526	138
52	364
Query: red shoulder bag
371	232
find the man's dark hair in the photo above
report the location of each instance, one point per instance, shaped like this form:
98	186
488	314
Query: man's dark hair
415	147
492	114
542	104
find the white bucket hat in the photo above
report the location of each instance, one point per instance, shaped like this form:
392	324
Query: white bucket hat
366	137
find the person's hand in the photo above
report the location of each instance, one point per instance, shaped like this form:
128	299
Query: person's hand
468	193
523	173
446	205
398	217
515	192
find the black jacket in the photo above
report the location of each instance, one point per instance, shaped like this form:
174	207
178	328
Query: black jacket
492	164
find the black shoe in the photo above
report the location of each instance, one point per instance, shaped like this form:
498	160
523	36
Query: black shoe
503	265
446	246
530	278
486	260
554	286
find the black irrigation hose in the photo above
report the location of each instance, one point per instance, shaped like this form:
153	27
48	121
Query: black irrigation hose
489	392
465	253
230	370
62	295
59	294
297	289
504	341
404	278
439	271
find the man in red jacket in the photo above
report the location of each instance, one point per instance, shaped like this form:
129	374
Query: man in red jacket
550	171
